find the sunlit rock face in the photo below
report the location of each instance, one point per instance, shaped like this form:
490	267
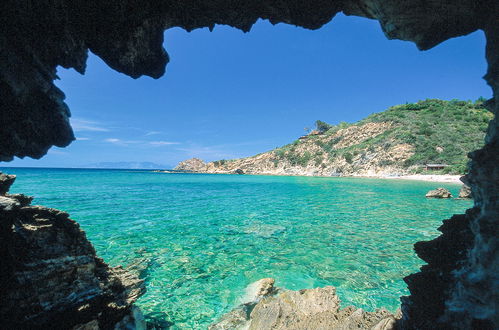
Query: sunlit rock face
37	36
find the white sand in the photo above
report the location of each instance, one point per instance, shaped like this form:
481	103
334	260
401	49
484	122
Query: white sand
428	177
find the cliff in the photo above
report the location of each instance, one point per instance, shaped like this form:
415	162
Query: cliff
51	276
399	140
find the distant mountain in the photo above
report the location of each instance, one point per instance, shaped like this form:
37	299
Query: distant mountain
127	165
400	140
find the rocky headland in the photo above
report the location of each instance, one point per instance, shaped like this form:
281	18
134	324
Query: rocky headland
398	142
51	277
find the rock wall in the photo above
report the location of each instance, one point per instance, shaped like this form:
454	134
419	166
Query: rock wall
37	36
51	277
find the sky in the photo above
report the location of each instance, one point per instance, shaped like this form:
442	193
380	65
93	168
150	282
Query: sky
228	94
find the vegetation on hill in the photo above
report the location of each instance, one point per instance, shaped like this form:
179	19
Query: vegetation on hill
401	139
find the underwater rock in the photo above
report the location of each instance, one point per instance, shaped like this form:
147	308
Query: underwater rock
50	274
439	193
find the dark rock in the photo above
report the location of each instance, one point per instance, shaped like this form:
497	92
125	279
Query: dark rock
238	171
6	181
465	192
425	307
439	193
22	199
50	275
38	36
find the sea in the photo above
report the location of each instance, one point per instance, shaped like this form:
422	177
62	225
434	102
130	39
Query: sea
203	238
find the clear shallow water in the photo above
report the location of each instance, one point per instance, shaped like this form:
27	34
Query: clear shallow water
208	236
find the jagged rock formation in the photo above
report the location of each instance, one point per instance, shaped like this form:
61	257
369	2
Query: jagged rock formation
191	165
50	275
319	308
439	193
36	36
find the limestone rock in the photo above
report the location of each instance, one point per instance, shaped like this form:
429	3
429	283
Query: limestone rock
465	192
191	165
317	308
439	193
259	289
238	318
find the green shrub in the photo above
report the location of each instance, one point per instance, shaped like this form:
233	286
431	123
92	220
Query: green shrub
348	157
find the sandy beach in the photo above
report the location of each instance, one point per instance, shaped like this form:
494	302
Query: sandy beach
428	177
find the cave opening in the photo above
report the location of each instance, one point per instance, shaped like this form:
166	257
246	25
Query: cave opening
89	123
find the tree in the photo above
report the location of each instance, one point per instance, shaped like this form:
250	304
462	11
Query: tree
321	126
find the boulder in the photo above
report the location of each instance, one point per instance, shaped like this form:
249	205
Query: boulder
439	193
238	171
465	192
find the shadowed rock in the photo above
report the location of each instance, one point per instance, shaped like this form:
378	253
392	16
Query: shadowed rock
465	192
6	181
51	277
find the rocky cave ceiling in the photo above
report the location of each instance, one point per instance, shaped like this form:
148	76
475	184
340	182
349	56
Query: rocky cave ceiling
38	36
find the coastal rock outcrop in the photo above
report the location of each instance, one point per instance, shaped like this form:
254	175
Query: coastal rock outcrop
50	275
439	193
317	308
191	165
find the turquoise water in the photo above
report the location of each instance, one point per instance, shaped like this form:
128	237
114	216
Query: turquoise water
206	237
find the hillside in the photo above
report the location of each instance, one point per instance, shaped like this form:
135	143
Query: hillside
399	140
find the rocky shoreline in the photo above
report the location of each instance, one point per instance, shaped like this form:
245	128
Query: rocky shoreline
51	276
269	307
196	165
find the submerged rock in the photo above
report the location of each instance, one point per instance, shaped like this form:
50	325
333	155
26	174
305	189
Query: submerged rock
317	308
439	193
465	192
51	276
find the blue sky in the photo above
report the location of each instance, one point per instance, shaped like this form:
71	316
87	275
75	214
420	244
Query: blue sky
228	94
